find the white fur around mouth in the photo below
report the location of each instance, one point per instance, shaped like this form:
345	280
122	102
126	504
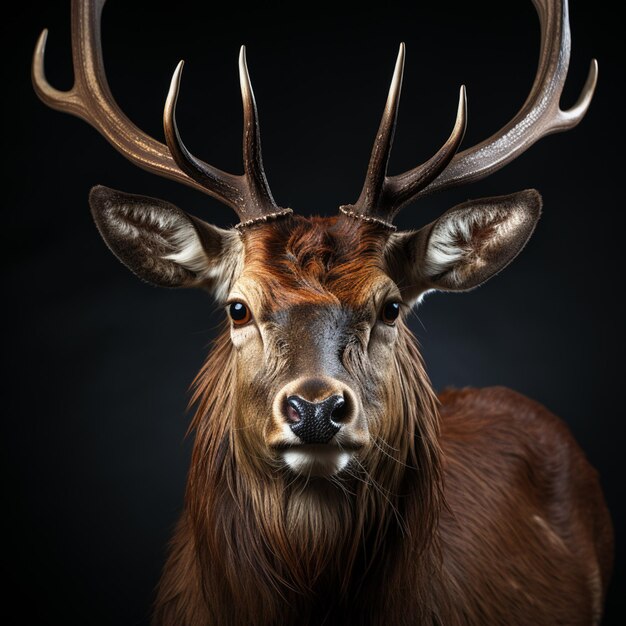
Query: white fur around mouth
316	460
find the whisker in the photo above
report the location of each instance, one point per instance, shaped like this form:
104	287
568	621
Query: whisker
393	458
400	520
379	438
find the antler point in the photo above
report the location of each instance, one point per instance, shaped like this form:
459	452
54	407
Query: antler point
40	46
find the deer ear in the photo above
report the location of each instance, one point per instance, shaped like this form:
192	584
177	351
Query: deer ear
162	244
466	246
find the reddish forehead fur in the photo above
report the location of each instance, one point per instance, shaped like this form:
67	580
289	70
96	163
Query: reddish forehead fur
315	260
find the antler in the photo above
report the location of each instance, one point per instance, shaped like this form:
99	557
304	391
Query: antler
383	196
90	99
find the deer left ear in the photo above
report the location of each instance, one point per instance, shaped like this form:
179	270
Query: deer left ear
163	245
465	247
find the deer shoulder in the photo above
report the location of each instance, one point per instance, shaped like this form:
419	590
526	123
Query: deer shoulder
517	483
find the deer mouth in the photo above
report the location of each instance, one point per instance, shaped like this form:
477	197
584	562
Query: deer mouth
322	447
315	459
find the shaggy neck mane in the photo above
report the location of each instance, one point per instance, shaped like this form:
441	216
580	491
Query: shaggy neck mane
275	548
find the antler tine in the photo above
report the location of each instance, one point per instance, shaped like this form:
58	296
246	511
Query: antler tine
55	99
226	186
259	189
374	186
403	187
540	115
383	196
91	100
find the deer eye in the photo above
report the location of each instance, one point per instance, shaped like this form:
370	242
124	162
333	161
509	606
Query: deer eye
390	312
239	313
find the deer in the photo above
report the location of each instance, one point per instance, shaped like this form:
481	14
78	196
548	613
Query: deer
329	483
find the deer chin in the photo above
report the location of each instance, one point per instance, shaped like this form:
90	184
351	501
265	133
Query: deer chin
316	459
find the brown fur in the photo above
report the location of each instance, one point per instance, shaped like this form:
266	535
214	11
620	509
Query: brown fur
481	511
315	260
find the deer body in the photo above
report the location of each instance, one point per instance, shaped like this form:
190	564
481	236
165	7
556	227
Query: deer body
328	483
490	514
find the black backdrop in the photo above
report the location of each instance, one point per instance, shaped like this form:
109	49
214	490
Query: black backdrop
98	364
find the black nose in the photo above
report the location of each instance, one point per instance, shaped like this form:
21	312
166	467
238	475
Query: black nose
315	422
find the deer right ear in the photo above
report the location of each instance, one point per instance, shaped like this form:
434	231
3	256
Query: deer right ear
465	247
163	245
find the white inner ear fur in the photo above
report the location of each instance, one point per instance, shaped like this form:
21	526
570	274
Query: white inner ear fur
452	240
219	271
129	219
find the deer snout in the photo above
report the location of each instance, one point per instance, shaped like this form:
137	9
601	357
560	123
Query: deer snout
315	422
315	409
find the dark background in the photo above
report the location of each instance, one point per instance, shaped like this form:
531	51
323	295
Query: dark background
98	364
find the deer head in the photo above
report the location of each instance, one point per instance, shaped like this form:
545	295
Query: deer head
316	346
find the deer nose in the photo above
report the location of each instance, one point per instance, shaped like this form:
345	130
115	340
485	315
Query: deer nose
315	422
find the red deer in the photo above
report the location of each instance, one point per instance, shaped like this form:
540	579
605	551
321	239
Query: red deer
329	483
